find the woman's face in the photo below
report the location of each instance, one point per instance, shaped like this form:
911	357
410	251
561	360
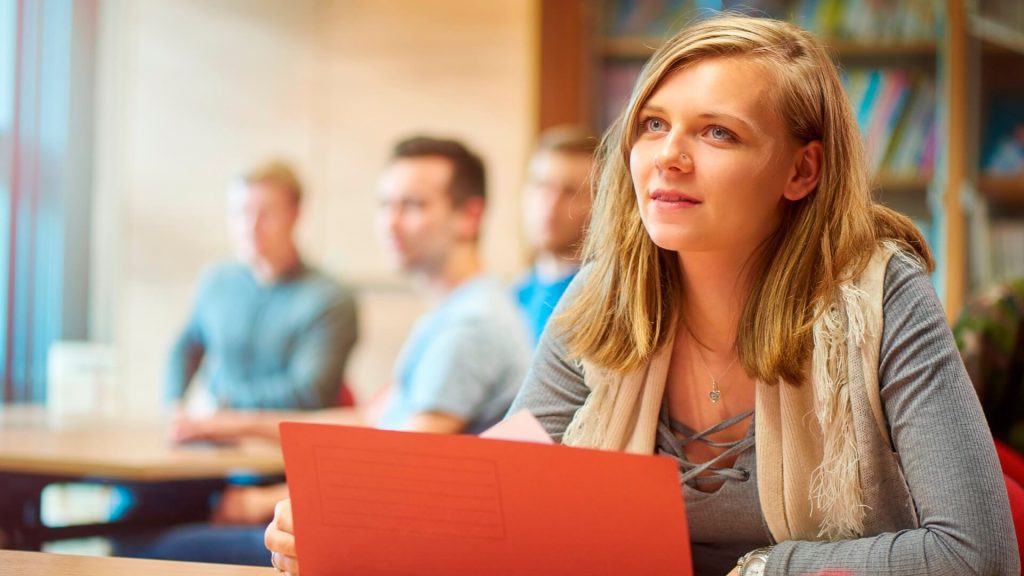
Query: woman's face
712	161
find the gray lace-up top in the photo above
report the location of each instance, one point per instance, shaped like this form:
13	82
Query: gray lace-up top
937	428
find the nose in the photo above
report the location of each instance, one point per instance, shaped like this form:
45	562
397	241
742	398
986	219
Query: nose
389	217
252	222
672	156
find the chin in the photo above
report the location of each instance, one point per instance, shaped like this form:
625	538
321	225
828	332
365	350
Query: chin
674	240
405	264
397	261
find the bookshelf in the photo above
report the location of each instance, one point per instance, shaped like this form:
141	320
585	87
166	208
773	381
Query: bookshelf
643	47
994	106
901	184
913	118
1004	190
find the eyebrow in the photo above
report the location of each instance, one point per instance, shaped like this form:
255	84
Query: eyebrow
713	115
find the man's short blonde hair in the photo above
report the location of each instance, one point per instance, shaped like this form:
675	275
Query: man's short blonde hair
274	172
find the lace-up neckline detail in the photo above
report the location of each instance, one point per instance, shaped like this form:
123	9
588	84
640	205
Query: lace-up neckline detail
674	437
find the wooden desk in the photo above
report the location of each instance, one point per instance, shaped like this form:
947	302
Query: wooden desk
40	564
127	450
35	453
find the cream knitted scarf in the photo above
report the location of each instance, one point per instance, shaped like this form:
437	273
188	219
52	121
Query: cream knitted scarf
809	477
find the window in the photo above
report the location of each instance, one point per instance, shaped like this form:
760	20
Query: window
8	48
46	56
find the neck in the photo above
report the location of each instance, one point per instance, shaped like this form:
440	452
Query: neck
716	286
552	266
270	269
461	265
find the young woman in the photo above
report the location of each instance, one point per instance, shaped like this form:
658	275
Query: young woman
746	308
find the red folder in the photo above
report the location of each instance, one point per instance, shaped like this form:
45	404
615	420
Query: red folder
371	502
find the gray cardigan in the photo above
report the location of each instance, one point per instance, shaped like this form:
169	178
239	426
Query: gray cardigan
937	428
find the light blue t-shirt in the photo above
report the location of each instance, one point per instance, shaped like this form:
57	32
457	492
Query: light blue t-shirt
467	357
538	299
277	346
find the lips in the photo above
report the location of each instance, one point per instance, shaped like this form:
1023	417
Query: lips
674	197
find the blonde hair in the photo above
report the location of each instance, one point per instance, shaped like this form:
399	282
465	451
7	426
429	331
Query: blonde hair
631	296
274	173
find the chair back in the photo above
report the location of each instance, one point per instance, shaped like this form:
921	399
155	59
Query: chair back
345	397
1011	461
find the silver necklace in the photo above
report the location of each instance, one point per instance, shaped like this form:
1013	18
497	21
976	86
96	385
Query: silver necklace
716	393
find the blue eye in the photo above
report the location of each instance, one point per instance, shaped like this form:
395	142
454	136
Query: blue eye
719	133
652	124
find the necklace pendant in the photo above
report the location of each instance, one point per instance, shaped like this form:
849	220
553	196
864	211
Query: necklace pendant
715	395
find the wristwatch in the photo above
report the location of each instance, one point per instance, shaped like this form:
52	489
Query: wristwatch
752	563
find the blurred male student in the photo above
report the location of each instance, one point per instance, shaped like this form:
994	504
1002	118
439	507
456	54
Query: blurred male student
275	333
556	210
464	362
458	371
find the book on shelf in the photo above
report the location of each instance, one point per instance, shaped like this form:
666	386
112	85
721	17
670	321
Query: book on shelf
895	111
646	18
891	22
912	148
1003	143
884	118
1007	240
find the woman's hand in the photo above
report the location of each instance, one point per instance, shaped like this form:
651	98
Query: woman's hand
280	539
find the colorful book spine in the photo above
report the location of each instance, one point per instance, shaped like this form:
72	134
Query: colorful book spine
895	112
886	115
905	21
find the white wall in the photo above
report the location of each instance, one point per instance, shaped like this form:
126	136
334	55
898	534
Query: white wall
191	91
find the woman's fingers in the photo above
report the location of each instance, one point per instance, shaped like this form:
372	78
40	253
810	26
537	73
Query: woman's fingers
280	539
283	515
287	564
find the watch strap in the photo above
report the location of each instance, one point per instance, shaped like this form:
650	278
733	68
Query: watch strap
760	554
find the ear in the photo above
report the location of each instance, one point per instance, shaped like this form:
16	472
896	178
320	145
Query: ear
806	172
471	216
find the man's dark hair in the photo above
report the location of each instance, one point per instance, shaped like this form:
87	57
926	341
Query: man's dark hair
468	178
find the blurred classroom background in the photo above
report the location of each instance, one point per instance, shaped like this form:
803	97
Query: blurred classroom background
121	135
122	121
